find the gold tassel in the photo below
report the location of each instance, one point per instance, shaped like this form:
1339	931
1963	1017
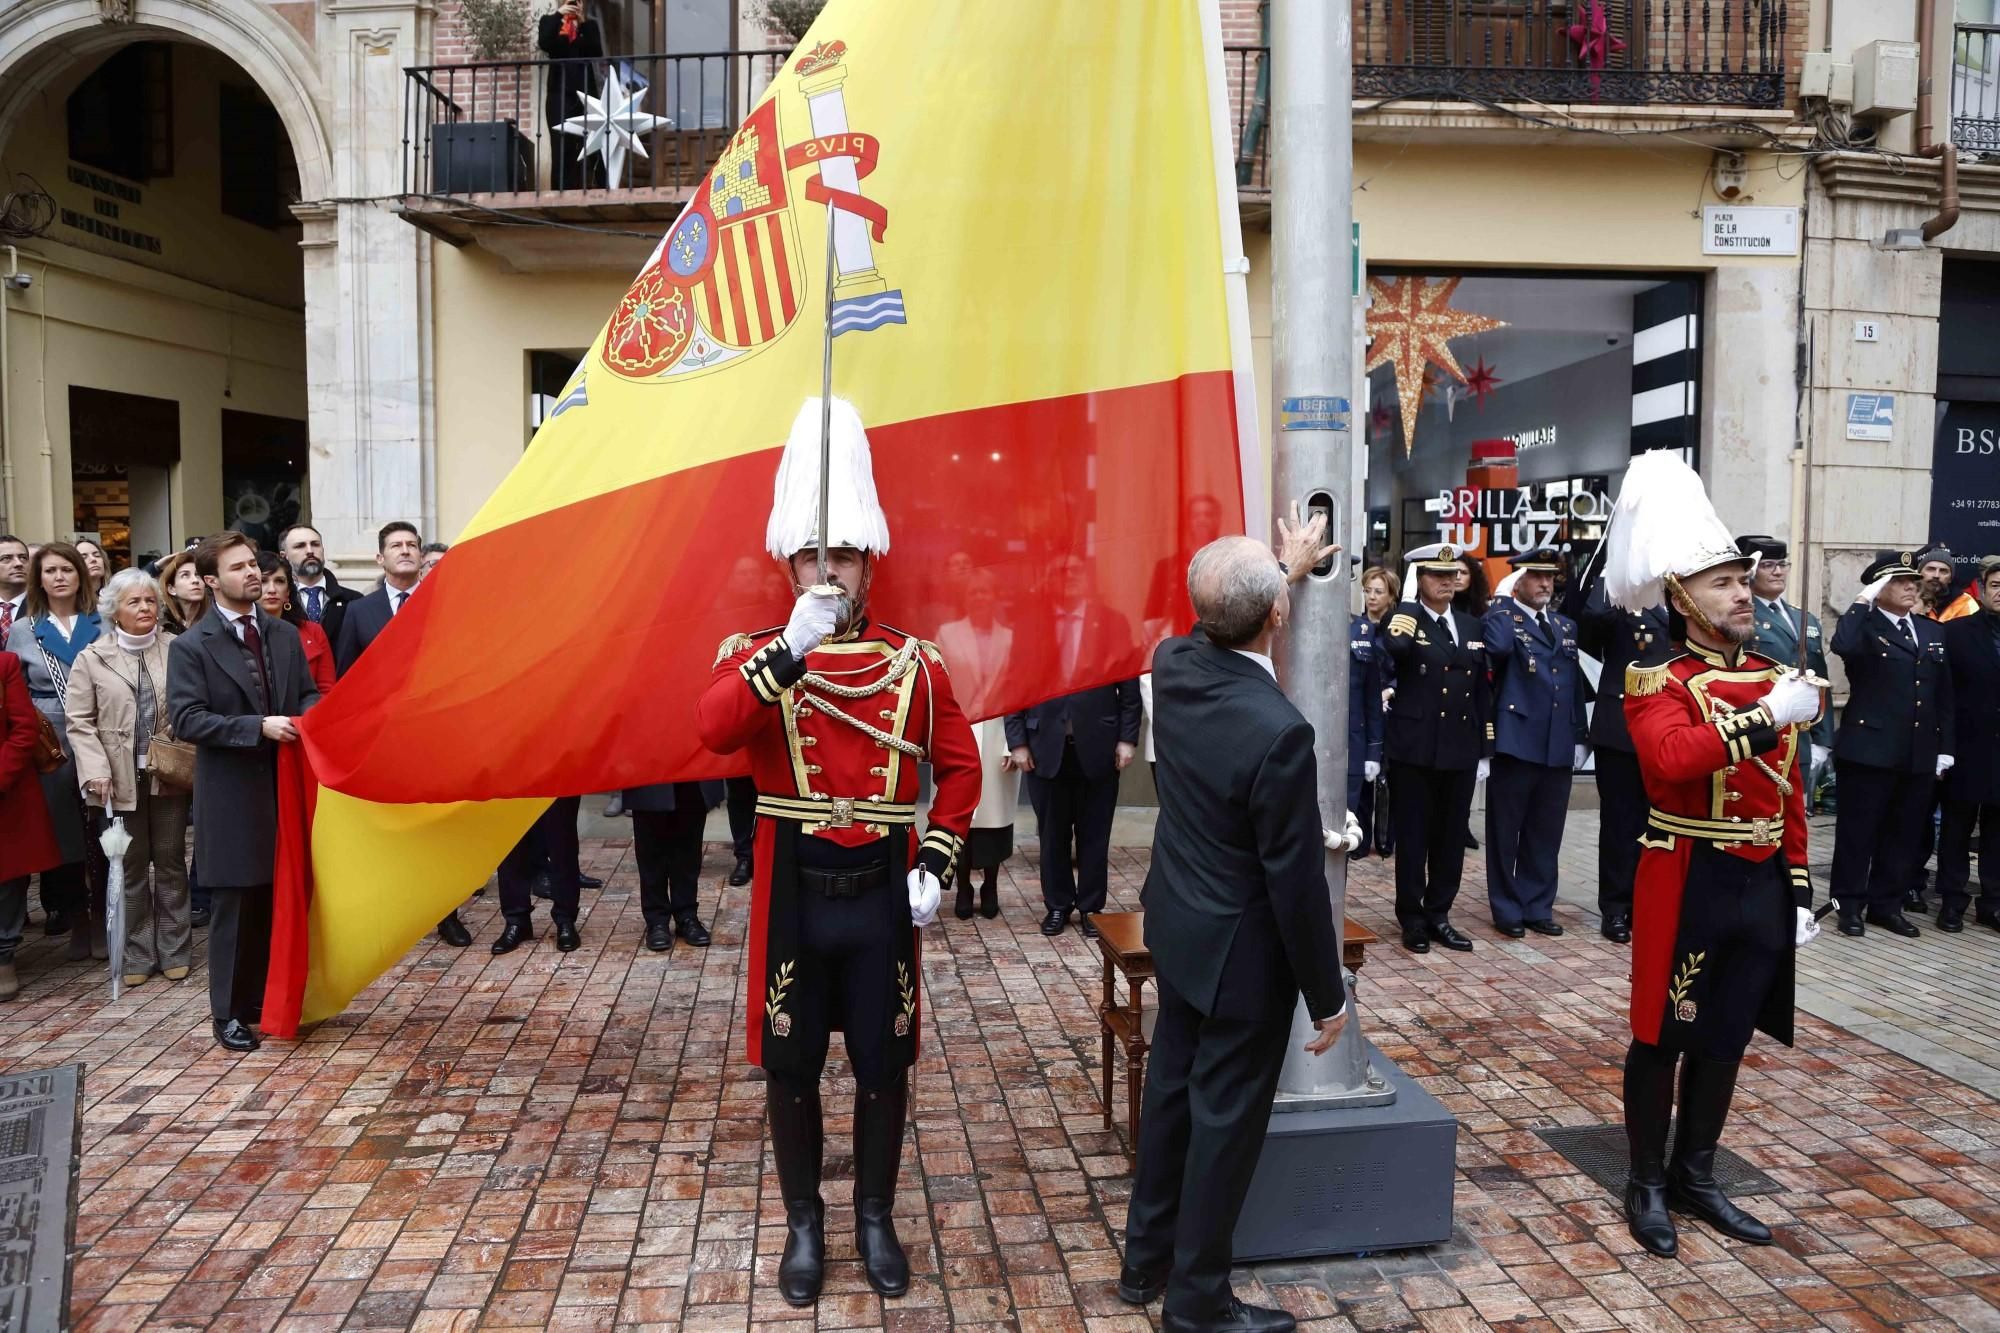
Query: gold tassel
1642	681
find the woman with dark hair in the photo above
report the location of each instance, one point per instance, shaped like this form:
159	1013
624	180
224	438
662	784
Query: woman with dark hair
182	593
61	622
277	601
96	560
1474	593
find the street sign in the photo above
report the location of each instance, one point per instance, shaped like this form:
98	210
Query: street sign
1733	229
1871	417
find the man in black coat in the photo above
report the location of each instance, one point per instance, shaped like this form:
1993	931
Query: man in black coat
399	550
319	594
1072	749
1618	638
1972	787
1894	744
1439	743
1239	920
236	682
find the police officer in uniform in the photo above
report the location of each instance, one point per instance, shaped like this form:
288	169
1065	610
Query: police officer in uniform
1723	898
1892	747
1538	741
1618	638
835	713
1438	742
1367	676
1777	637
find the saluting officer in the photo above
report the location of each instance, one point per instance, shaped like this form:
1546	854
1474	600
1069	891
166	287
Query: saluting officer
1538	741
1438	743
835	713
1778	628
1618	638
1891	747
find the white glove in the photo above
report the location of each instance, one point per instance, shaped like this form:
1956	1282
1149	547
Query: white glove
1872	591
1348	840
1582	753
1371	770
1808	929
1944	764
925	894
1820	754
814	616
1484	771
1792	699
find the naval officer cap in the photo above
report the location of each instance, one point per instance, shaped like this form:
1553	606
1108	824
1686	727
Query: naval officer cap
1890	565
1763	548
1437	558
1541	560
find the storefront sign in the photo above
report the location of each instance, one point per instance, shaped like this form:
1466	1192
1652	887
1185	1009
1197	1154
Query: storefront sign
1539	438
1965	479
105	220
1871	416
1728	229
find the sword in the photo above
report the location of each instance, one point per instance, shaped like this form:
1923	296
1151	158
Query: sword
826	406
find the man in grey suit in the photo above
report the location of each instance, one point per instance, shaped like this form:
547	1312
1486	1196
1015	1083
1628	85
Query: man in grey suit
1778	628
237	682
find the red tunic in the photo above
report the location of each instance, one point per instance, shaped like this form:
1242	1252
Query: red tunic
1716	770
828	775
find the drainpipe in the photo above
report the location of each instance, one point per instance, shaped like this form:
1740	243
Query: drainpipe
1946	152
7	398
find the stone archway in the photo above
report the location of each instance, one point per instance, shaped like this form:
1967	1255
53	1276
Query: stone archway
40	39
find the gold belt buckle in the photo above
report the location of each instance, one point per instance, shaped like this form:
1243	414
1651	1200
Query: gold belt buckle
843	813
1762	833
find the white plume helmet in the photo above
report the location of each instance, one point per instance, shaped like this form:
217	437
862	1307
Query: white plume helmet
1663	524
858	520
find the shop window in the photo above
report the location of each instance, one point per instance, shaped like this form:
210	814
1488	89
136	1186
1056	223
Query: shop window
260	178
263	474
122	449
121	118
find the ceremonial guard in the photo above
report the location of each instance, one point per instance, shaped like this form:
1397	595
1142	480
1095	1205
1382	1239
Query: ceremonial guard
1438	741
1893	745
1538	722
1723	898
1618	638
1779	627
835	712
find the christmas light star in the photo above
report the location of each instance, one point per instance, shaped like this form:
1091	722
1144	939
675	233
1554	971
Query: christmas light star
612	126
1410	324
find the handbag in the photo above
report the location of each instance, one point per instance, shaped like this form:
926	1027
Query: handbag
171	761
49	754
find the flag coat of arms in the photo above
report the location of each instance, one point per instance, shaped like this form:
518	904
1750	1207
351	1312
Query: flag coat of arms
1031	219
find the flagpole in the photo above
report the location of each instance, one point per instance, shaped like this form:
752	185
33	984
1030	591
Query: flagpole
826	401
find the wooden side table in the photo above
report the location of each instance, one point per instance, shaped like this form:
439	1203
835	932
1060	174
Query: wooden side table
1121	937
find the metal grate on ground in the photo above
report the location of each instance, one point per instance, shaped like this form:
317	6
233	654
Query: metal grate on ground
1600	1152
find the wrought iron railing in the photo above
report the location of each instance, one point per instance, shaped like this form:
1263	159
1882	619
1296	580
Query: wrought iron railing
1975	87
562	128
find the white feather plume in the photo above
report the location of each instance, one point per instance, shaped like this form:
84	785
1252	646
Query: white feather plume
1663	524
858	520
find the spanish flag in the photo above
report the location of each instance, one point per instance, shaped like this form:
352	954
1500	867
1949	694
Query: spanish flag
1034	297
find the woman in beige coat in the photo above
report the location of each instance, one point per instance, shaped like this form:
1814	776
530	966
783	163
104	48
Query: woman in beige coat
117	703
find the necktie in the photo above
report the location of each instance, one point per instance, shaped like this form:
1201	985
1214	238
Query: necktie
1909	630
255	643
1444	628
312	604
6	619
1542	623
396	602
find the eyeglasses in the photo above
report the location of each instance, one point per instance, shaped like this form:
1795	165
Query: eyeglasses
1774	564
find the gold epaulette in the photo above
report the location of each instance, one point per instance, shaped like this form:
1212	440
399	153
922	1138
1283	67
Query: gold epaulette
731	646
1641	681
932	651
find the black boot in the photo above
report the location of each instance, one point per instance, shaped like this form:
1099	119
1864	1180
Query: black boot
798	1142
1649	1107
989	894
962	906
1707	1087
879	1117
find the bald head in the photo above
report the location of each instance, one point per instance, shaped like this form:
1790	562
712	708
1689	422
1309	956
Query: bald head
1234	582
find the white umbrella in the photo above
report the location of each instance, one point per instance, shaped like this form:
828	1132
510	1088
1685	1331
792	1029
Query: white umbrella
114	841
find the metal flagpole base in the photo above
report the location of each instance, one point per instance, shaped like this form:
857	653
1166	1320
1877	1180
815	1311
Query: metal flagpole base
1344	1076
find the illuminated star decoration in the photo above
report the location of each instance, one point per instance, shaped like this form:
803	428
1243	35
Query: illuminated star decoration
1480	381
1410	324
612	126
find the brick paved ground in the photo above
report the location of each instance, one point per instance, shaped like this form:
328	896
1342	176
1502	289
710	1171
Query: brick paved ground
545	1140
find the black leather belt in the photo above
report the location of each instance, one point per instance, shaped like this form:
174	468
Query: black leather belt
844	883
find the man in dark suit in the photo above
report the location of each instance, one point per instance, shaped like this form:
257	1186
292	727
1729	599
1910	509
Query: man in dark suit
236	682
319	594
1072	749
1972	787
1439	744
668	819
1893	744
399	550
1618	638
1538	741
1239	920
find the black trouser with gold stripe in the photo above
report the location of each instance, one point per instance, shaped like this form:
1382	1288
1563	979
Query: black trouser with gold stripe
1878	837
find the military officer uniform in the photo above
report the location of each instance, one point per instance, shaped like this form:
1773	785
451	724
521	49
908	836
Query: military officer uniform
1972	787
1538	721
1618	638
1366	679
1438	736
1898	722
1779	625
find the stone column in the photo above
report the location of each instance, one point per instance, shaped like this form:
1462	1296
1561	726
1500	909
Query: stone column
1750	388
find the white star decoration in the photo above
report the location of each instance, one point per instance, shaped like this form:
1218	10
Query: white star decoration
612	126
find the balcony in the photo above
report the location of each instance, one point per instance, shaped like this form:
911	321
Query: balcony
1975	87
1536	56
481	157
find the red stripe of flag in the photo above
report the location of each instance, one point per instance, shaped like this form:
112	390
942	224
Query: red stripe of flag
755	263
739	333
781	268
714	301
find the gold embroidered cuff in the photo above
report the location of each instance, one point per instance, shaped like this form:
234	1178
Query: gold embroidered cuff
772	671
